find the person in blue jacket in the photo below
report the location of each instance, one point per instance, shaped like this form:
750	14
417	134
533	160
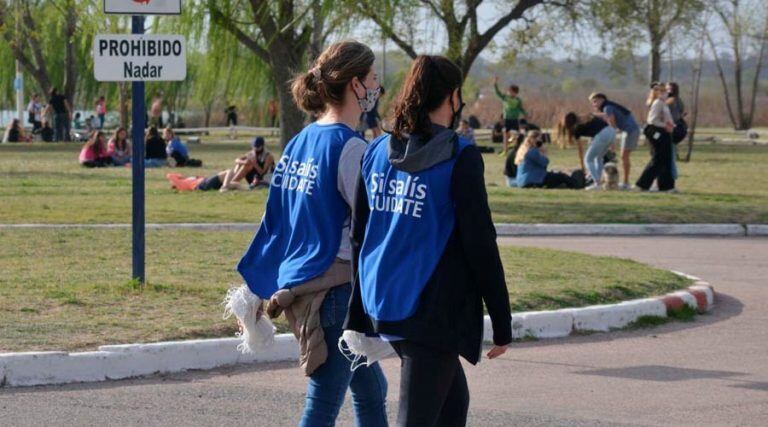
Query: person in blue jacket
424	248
304	233
532	162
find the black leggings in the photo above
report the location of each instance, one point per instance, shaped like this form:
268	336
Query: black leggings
555	180
433	388
659	168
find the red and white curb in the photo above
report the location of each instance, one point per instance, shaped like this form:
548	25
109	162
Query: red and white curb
112	362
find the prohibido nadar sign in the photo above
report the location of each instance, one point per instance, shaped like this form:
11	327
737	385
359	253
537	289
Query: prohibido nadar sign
119	58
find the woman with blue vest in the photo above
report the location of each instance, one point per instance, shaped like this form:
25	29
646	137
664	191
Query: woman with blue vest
300	256
424	248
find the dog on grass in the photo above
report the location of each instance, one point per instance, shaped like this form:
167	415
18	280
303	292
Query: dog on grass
611	176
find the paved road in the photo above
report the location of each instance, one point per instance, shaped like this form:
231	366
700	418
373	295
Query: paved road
710	372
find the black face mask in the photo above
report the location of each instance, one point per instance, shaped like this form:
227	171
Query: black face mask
456	114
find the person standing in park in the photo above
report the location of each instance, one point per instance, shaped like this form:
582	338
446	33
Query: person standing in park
231	113
658	131
101	111
156	111
302	246
34	112
621	120
572	128
677	109
514	113
62	113
272	112
424	248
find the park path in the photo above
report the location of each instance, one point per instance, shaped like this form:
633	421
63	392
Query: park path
713	371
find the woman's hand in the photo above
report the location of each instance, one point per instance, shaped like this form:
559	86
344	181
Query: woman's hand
497	351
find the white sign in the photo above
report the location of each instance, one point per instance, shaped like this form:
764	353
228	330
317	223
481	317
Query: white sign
143	7
139	57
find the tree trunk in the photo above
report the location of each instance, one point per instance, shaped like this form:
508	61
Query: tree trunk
123	96
70	69
291	117
654	69
697	70
208	108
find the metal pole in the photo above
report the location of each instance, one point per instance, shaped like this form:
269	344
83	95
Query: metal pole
137	165
19	83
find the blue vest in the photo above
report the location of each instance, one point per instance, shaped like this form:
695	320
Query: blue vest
300	233
411	219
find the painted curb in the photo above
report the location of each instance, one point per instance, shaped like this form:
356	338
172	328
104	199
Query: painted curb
113	362
502	229
620	230
757	230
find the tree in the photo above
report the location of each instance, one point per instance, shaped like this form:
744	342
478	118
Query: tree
279	33
459	20
38	43
624	22
746	35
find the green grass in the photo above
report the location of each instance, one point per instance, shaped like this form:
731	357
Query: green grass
69	289
42	183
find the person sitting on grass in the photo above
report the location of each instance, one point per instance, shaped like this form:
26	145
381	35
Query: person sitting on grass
466	131
155	155
46	132
178	153
14	132
255	166
94	152
532	162
118	148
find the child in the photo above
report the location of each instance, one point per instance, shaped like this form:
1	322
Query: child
514	113
466	131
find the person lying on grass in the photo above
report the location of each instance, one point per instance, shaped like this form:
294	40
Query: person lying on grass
256	167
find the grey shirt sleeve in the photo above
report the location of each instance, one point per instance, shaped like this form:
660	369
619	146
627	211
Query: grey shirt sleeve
349	174
349	168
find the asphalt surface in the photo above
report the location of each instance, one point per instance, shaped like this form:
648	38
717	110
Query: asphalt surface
713	371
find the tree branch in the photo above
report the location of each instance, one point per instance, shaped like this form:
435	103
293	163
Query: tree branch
227	23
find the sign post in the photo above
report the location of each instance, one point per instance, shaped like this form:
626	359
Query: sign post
138	111
138	58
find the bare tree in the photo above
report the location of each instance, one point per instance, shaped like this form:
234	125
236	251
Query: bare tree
459	20
626	21
743	37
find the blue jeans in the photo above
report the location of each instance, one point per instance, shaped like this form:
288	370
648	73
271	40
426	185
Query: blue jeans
511	181
674	162
600	144
154	163
60	127
328	384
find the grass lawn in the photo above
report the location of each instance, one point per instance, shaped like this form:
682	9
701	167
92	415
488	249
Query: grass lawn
42	183
68	289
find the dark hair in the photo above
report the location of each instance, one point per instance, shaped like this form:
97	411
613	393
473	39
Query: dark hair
94	141
152	132
566	128
514	88
326	82
117	139
675	93
53	92
428	83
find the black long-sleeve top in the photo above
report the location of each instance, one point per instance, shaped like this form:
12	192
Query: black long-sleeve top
449	316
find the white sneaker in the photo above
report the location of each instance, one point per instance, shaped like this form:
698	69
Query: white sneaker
593	187
625	187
